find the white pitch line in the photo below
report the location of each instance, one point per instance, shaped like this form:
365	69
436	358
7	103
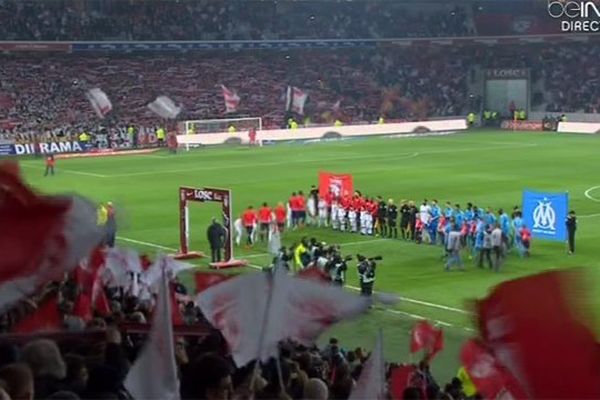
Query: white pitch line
69	171
589	216
414	316
148	244
424	303
589	196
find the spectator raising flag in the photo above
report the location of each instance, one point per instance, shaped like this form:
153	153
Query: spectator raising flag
164	107
232	100
99	101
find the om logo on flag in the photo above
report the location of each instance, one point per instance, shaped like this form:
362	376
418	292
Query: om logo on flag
545	214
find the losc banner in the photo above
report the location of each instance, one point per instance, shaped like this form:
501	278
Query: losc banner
545	214
50	148
338	184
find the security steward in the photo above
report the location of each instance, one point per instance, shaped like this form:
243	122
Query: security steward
216	238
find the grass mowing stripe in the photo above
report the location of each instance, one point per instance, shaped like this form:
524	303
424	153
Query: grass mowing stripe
59	170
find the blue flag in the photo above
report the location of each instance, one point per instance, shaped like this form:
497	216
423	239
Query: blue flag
545	214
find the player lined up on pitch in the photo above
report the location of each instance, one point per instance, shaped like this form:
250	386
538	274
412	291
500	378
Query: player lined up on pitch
482	235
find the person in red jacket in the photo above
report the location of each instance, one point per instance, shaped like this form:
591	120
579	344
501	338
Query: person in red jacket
280	216
249	220
252	137
264	221
293	204
50	162
301	204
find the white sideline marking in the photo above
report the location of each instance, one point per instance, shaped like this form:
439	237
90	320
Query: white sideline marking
424	303
69	171
589	216
397	312
148	244
589	196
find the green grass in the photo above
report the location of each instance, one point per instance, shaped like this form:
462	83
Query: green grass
486	168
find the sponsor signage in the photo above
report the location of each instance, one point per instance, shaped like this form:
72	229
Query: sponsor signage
48	148
507	73
522	125
35	46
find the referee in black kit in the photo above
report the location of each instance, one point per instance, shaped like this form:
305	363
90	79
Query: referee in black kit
571	228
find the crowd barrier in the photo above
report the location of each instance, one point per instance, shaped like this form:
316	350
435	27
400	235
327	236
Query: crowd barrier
324	132
579	127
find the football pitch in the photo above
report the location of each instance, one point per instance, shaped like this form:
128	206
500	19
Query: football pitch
487	168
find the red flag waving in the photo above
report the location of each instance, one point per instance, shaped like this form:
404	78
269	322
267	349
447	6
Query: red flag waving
204	280
46	236
488	376
426	336
46	318
530	326
337	184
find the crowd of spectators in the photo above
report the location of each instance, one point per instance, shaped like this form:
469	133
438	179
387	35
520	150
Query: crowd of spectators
233	20
91	356
47	93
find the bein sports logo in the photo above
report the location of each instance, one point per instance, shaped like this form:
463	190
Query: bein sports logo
544	216
576	16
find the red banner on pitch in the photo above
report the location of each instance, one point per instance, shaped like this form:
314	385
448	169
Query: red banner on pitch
338	184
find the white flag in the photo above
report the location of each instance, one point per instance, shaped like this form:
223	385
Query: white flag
172	268
298	309
99	101
295	99
164	107
371	383
232	100
154	373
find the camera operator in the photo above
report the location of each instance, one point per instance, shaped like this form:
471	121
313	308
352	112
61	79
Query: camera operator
337	267
366	273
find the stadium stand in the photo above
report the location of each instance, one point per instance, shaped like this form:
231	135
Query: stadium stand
214	20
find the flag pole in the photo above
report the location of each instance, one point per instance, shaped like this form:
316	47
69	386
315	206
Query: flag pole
263	329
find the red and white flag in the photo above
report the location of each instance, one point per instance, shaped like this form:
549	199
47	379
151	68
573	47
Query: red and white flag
99	101
164	107
371	383
489	377
537	328
425	336
44	236
154	373
232	100
295	99
256	311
